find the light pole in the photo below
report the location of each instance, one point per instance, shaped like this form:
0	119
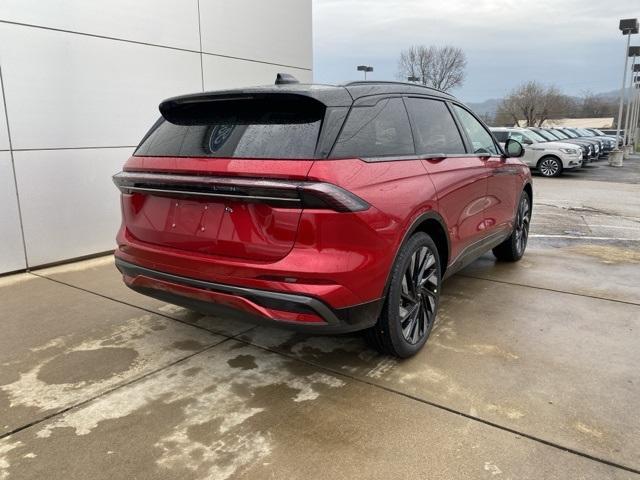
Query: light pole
636	111
367	68
628	27
634	123
633	52
631	136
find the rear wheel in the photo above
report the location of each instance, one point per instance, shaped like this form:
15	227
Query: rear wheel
550	167
410	308
512	249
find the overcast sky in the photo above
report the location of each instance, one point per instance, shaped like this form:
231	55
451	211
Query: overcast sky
574	44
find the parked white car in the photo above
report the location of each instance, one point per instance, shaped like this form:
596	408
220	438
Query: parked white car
549	158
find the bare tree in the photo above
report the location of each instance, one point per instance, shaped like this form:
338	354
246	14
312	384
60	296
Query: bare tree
533	103
438	67
596	106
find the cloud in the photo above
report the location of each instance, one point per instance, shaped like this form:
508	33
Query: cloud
573	43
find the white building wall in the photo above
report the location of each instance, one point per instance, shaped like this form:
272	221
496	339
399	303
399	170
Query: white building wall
81	83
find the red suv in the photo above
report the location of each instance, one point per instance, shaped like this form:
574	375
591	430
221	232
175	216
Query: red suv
325	208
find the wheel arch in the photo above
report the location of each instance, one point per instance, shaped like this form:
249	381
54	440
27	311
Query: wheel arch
550	155
529	190
433	225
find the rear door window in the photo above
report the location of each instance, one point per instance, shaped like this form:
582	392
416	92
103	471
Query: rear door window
434	129
238	129
380	130
479	137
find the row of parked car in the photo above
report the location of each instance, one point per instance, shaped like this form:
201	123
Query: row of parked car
552	151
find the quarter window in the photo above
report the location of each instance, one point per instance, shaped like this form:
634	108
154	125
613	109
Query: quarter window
480	139
434	129
376	131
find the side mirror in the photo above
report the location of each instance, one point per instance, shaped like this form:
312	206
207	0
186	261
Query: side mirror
526	141
513	148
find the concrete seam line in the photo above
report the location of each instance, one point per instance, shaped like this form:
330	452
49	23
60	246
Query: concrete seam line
515	284
454	411
154	312
161	314
585	237
356	379
538	224
335	372
108	391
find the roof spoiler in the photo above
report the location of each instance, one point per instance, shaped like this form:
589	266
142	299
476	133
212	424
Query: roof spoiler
203	108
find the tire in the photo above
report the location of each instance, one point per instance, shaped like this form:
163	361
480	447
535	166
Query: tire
512	249
550	166
410	308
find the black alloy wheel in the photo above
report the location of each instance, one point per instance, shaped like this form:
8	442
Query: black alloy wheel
418	295
411	305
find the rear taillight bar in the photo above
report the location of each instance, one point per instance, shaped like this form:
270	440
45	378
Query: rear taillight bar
283	193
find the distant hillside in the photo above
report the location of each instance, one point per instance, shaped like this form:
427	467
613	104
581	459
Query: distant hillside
613	94
488	107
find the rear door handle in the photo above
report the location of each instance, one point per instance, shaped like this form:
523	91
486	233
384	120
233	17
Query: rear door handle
435	157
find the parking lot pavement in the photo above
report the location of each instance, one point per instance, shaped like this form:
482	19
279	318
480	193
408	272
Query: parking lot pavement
600	171
61	346
531	372
99	276
237	410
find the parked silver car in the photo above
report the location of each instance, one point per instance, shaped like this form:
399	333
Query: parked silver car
549	158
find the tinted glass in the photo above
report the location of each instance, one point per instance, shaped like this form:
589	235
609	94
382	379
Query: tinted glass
519	136
501	135
434	129
546	135
480	139
376	131
247	129
559	134
535	136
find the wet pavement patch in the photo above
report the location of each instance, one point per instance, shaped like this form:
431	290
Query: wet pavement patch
244	362
200	421
188	345
70	369
282	419
87	365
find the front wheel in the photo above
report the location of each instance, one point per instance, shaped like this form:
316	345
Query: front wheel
412	299
550	167
512	249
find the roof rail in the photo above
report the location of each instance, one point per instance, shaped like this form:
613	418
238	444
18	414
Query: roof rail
390	82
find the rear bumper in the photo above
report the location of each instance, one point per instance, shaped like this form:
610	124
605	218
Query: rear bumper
299	312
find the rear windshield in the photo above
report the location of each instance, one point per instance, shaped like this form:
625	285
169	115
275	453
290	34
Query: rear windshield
240	128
